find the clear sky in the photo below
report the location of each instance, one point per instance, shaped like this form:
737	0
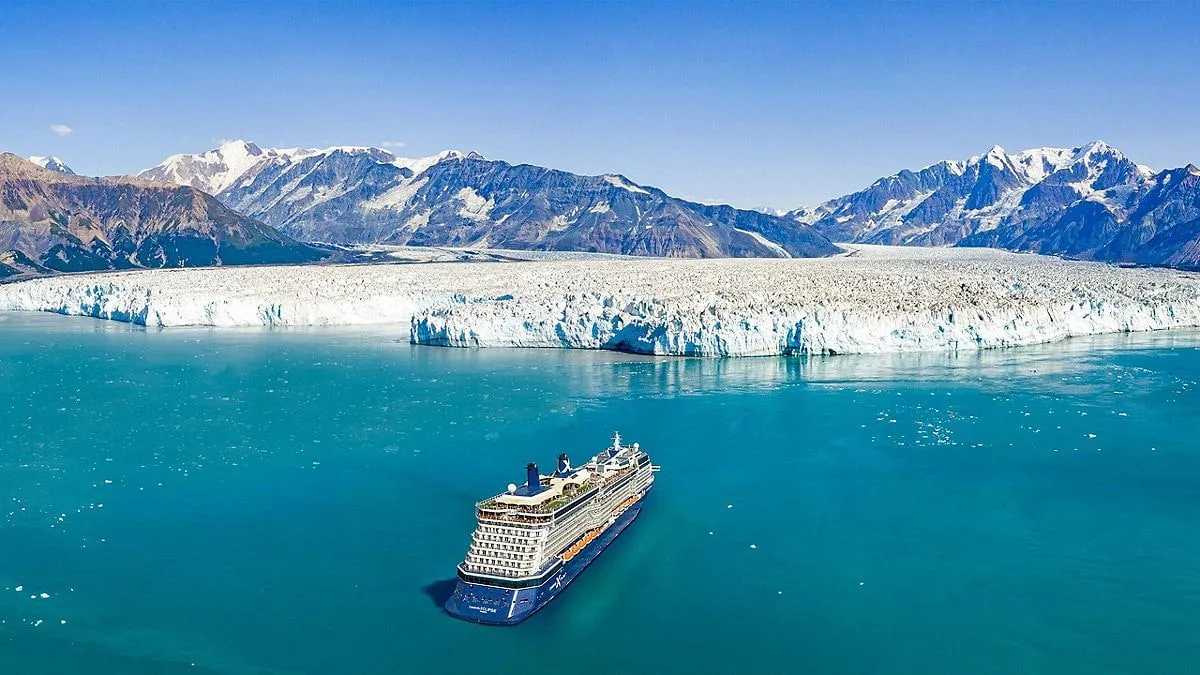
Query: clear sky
768	104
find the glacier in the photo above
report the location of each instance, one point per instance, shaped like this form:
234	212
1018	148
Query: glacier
874	299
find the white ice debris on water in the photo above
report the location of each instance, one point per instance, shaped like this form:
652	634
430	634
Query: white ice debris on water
877	299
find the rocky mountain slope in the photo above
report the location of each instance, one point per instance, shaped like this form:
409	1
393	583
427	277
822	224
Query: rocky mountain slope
55	221
1090	202
356	195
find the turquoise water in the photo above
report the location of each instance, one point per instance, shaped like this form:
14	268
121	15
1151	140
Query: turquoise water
293	502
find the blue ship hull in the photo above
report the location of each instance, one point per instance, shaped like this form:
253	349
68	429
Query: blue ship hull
507	606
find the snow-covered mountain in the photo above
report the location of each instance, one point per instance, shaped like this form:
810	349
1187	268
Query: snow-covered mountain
237	163
1090	201
356	195
52	163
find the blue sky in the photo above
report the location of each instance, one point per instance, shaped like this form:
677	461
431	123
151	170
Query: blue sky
751	104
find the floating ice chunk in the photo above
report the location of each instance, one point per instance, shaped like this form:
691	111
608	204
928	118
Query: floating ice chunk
19	589
44	596
753	546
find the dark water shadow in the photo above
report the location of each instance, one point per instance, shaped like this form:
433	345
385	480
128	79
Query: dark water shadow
440	591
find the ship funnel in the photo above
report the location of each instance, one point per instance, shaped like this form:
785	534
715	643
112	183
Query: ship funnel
532	479
564	464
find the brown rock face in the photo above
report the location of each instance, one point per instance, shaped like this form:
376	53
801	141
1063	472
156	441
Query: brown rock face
58	222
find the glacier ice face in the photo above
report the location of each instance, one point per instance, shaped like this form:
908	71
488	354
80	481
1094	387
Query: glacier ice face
877	299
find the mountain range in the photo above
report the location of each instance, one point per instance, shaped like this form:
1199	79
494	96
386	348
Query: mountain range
1089	202
52	220
359	195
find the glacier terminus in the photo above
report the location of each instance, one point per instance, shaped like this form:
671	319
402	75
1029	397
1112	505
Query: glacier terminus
873	299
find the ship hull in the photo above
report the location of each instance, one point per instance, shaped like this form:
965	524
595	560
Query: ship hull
506	606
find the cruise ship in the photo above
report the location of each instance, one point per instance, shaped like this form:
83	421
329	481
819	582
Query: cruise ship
533	540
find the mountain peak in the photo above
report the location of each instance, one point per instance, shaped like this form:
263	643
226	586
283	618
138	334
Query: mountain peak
1097	148
998	158
15	166
9	161
239	147
419	165
456	154
51	163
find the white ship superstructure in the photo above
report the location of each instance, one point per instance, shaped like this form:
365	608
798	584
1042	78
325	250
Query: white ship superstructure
526	532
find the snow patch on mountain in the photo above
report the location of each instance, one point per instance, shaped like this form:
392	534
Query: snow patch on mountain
620	182
474	207
765	242
397	197
420	164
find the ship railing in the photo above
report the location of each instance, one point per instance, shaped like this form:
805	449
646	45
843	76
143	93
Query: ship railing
495	571
546	508
511	517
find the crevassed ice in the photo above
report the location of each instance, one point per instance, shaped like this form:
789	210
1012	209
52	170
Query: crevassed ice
877	299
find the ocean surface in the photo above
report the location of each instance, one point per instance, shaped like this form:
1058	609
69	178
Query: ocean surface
200	501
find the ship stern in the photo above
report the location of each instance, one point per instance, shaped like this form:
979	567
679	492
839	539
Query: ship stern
489	605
